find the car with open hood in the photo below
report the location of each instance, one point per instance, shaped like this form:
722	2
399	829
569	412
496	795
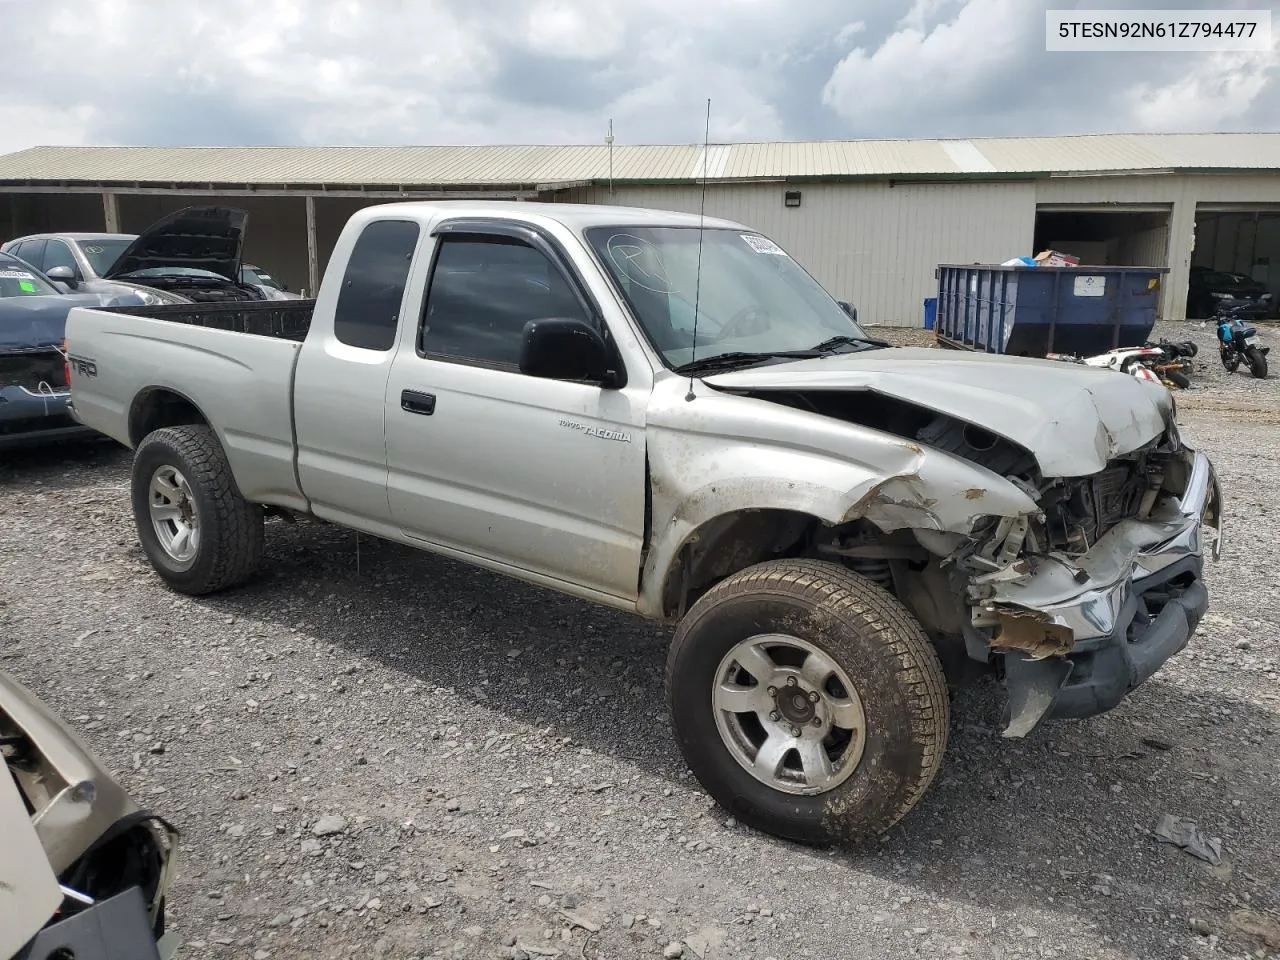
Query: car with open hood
668	415
84	871
191	255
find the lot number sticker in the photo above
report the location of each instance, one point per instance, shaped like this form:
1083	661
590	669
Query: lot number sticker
763	245
1090	286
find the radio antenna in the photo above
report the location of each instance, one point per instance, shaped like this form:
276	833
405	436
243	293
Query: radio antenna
609	140
702	217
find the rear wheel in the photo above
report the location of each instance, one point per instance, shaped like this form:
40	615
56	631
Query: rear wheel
1178	379
200	535
1257	362
807	701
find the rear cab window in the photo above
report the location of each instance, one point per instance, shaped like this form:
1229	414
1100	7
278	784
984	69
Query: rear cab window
372	294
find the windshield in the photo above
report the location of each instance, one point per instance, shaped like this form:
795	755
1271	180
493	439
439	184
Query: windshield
258	276
102	252
18	281
751	297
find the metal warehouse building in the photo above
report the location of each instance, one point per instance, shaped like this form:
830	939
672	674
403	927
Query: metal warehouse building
869	218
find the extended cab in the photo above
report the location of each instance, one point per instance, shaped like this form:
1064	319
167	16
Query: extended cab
671	417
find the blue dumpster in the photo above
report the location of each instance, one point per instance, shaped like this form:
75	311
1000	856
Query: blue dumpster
930	312
1030	311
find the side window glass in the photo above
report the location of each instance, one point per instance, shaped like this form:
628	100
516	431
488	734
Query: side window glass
58	254
368	308
483	291
31	251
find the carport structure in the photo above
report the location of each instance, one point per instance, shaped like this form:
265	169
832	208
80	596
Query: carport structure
289	193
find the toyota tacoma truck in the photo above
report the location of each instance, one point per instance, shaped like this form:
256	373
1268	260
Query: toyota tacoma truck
668	415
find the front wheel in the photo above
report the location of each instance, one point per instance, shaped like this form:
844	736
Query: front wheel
1230	359
200	535
1178	379
807	701
1257	362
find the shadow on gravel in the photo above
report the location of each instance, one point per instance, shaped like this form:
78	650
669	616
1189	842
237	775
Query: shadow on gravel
53	462
1063	818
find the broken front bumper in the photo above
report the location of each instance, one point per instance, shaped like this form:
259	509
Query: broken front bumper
1108	620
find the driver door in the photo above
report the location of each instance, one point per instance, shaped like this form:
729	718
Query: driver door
539	475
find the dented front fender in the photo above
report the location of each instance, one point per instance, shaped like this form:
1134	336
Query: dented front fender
724	454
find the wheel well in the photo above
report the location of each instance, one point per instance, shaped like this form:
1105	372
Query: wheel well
726	544
896	561
158	407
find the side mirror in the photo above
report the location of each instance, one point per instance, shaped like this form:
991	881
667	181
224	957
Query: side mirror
850	309
63	275
561	348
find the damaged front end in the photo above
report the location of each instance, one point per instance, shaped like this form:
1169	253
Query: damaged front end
1081	602
87	872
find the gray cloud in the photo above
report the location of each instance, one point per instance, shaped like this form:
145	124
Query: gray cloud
554	71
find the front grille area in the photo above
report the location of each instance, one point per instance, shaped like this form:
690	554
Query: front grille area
1080	512
31	368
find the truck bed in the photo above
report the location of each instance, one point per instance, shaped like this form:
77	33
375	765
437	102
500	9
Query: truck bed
234	363
282	319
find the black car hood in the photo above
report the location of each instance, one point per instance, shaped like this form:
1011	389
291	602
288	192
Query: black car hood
31	322
203	238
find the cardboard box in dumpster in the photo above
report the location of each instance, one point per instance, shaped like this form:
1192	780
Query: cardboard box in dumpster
1054	258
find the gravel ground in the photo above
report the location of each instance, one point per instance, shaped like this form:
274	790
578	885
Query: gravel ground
372	751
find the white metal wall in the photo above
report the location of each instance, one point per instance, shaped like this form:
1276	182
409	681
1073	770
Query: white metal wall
1149	247
877	245
872	244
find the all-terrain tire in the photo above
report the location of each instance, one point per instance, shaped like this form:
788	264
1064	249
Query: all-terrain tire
1178	379
873	639
230	545
1257	362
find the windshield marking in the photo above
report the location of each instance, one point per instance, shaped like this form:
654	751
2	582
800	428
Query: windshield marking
16	275
627	253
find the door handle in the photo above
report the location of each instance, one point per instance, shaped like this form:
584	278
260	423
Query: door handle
414	401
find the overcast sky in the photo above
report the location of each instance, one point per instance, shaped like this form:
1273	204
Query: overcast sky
231	72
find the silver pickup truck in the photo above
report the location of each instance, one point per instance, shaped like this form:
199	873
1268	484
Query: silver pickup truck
671	417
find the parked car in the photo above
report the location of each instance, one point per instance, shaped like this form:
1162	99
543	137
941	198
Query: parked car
33	378
1210	289
192	255
85	872
673	418
79	262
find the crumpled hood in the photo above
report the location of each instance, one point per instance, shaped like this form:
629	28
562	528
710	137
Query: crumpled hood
203	238
27	322
1072	418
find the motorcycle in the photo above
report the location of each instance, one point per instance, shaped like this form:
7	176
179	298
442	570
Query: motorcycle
1135	361
1164	362
1237	342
